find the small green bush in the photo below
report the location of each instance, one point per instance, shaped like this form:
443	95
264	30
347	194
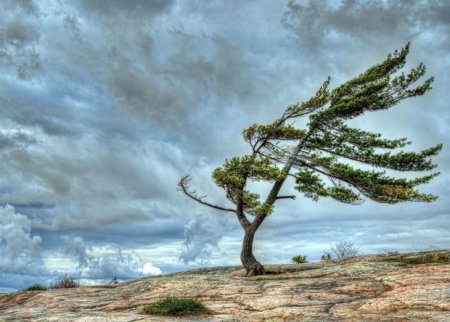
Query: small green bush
326	257
299	259
176	306
36	287
65	281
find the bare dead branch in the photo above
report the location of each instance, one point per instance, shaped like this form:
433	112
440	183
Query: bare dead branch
183	186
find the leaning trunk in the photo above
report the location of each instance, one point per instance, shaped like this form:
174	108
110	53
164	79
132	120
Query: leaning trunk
251	265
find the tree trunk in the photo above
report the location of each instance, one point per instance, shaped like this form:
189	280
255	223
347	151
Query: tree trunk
251	265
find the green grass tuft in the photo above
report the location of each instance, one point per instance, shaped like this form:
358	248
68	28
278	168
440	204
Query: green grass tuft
35	287
176	306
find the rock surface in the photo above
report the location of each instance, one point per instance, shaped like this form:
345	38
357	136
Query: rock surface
370	288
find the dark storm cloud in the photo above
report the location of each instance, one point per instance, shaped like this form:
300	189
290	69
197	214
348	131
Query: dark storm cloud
324	23
161	73
105	266
137	8
51	125
97	181
18	38
16	139
149	234
26	6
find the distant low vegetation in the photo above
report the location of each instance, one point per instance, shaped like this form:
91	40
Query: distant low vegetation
433	257
339	251
326	257
176	306
299	259
344	250
64	281
36	287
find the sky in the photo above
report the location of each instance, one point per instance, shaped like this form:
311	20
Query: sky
105	105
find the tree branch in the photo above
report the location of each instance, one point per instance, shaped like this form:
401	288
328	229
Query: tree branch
184	187
286	197
331	176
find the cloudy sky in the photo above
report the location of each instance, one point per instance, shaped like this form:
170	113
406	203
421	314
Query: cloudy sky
106	104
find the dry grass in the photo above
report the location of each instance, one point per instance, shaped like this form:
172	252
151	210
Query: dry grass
64	281
433	257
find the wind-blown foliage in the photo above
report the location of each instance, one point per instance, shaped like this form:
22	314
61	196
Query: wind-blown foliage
324	158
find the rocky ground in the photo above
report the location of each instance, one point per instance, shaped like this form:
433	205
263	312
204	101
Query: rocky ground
370	288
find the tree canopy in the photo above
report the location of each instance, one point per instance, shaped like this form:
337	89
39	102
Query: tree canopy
328	158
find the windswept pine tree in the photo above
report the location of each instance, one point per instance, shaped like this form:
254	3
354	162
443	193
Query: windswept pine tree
323	157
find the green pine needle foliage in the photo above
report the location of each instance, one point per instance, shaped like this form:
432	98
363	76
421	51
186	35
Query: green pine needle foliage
324	157
327	157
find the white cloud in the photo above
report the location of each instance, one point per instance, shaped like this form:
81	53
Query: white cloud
19	251
151	269
20	256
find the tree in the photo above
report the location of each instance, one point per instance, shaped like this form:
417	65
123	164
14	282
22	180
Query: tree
344	249
325	157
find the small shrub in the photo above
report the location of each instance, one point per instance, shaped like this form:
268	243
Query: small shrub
392	253
344	249
299	259
65	281
36	287
386	252
176	306
427	258
433	257
326	257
